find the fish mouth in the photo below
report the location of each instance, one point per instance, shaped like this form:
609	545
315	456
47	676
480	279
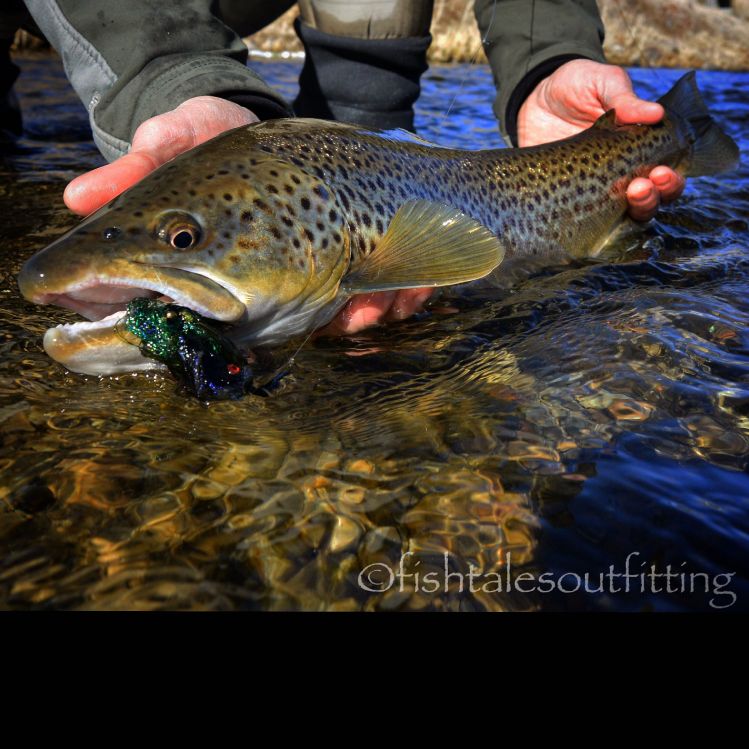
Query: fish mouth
100	345
98	297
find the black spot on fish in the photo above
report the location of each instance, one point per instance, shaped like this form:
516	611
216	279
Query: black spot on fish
305	203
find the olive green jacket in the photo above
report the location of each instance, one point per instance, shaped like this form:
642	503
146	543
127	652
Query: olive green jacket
526	40
129	60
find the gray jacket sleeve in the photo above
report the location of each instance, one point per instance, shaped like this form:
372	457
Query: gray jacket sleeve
526	41
129	60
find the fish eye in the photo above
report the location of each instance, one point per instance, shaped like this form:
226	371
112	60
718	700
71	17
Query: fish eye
183	238
180	230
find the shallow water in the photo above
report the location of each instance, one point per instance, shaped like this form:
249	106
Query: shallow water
598	413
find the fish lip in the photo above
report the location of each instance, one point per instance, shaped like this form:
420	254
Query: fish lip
118	352
166	287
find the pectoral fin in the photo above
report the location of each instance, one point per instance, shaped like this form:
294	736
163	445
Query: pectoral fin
427	244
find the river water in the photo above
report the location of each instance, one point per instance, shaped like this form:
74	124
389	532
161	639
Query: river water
517	451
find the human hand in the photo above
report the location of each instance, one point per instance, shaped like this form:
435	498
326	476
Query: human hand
365	310
155	142
572	98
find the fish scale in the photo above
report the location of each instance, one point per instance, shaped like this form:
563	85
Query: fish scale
272	227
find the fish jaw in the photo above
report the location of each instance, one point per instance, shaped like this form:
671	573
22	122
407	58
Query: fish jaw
100	292
97	348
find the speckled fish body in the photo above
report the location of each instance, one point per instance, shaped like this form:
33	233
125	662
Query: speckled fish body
274	226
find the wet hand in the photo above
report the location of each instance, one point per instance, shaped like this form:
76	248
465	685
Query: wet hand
572	98
155	142
366	310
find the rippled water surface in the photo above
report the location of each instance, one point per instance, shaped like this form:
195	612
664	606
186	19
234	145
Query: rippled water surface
598	412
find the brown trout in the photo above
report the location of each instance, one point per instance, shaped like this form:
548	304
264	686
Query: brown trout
274	226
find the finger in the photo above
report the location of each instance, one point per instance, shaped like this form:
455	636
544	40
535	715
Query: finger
360	312
616	92
668	183
94	189
408	302
643	199
155	142
631	109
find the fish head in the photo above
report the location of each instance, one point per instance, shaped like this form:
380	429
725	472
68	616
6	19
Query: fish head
226	229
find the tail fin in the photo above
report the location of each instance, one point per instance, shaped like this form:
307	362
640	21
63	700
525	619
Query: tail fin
713	151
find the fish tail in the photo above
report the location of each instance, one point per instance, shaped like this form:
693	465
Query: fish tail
713	151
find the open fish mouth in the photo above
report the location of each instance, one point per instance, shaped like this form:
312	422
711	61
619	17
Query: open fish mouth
99	345
97	297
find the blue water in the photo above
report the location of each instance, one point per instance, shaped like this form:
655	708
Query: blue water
598	413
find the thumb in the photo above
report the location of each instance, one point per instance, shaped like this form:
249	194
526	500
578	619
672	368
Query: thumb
615	92
631	109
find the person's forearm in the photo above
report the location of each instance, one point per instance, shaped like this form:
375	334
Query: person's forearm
527	41
129	61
